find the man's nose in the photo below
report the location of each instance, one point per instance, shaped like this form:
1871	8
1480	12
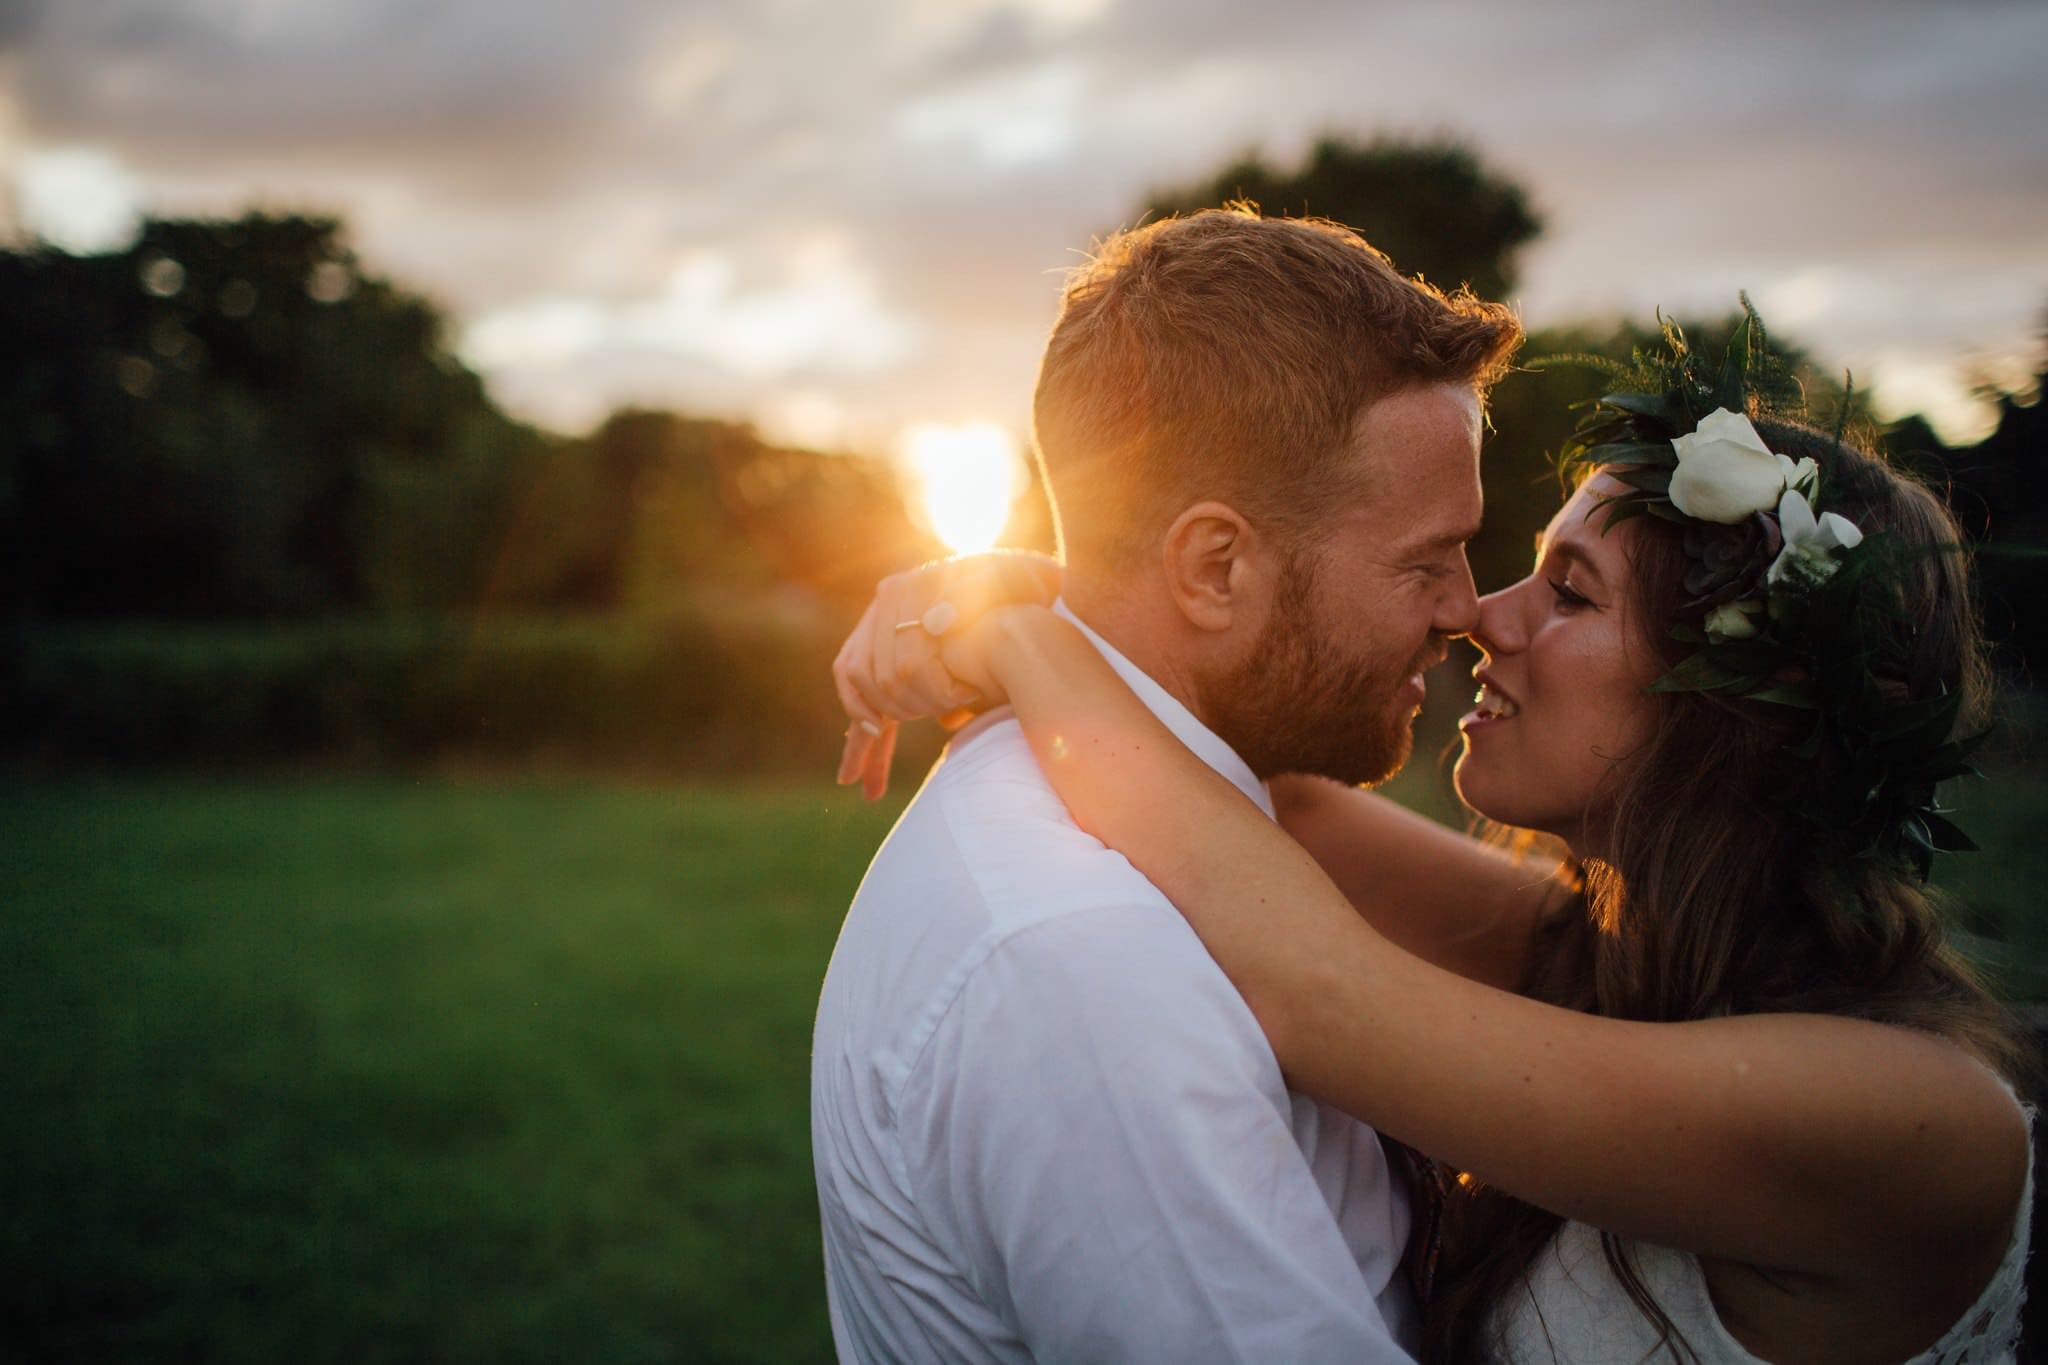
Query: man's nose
1458	612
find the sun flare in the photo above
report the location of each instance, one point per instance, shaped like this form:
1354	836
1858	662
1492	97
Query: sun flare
967	478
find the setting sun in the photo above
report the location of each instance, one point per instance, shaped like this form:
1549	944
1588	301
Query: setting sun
967	477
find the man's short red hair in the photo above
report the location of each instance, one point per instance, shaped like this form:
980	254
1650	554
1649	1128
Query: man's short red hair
1225	355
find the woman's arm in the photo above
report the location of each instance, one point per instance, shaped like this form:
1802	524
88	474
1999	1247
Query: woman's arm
1469	907
1801	1143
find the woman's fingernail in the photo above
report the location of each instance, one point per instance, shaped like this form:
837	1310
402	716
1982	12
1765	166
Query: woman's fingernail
871	728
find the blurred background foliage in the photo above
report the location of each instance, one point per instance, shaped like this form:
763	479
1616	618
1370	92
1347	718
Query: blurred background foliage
254	508
1433	207
348	1067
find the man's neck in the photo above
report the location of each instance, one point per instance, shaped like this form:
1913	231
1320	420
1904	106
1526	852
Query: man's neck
1126	615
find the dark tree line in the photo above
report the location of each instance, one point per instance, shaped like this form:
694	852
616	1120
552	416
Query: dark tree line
234	420
1433	207
1999	490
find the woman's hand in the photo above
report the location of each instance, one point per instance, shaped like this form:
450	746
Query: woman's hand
890	670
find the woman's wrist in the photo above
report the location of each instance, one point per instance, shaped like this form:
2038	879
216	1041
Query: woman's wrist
996	649
1019	640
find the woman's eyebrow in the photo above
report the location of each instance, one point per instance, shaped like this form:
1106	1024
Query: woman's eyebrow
1575	554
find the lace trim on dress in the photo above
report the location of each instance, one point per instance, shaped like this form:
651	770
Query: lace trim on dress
1572	1309
1990	1332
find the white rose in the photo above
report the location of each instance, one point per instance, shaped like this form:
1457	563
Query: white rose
1725	471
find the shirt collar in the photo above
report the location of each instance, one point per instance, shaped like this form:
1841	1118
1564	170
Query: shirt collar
1206	743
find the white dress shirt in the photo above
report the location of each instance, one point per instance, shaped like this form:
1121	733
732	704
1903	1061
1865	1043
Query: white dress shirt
1046	1127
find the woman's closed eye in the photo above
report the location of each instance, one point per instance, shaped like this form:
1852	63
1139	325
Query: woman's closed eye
1568	597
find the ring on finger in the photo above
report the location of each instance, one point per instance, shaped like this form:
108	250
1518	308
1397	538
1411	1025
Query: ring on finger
939	618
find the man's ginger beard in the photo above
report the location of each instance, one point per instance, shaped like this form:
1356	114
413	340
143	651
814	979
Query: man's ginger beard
1305	700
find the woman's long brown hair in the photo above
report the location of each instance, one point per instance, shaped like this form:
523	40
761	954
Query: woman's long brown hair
1713	899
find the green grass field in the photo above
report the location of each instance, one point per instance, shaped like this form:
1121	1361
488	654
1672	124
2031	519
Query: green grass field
369	1073
362	1072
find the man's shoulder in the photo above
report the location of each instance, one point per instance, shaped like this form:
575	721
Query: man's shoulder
991	753
987	890
989	822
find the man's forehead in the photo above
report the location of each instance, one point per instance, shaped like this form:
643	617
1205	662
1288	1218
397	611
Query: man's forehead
1417	518
1402	413
1415	467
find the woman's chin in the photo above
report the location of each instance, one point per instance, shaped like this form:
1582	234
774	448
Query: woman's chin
1469	780
1492	796
1488	792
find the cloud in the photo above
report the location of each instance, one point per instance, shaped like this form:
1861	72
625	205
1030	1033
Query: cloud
550	172
1006	122
823	317
80	199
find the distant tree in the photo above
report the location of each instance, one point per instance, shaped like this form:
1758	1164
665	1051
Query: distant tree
656	506
1999	488
628	516
830	524
1912	442
231	418
1431	206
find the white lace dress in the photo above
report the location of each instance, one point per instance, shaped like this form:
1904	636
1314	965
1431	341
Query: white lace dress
1574	1310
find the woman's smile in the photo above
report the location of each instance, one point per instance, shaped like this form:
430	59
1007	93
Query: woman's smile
1490	705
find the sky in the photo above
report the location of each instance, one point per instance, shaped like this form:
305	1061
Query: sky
842	220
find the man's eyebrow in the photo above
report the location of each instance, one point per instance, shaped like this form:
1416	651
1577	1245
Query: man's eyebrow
1457	537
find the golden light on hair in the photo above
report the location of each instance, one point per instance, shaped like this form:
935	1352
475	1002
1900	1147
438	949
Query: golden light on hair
967	478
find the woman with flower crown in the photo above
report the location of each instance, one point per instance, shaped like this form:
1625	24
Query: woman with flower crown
1717	1091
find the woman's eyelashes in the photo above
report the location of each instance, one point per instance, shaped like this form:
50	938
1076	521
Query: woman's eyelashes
1568	598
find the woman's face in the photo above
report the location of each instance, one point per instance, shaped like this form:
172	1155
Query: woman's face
1561	702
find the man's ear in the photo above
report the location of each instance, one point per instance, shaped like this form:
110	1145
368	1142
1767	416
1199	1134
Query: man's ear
1216	565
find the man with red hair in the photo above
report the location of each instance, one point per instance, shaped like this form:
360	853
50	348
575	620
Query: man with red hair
1045	1126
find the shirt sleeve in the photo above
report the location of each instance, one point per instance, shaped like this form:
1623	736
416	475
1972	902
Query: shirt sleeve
1100	1129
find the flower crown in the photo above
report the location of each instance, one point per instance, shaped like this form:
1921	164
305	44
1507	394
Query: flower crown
1789	603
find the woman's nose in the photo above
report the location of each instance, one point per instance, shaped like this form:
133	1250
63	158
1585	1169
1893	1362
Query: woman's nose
1501	629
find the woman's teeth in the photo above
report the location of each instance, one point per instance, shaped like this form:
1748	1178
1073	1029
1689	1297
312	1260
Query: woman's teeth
1493	705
